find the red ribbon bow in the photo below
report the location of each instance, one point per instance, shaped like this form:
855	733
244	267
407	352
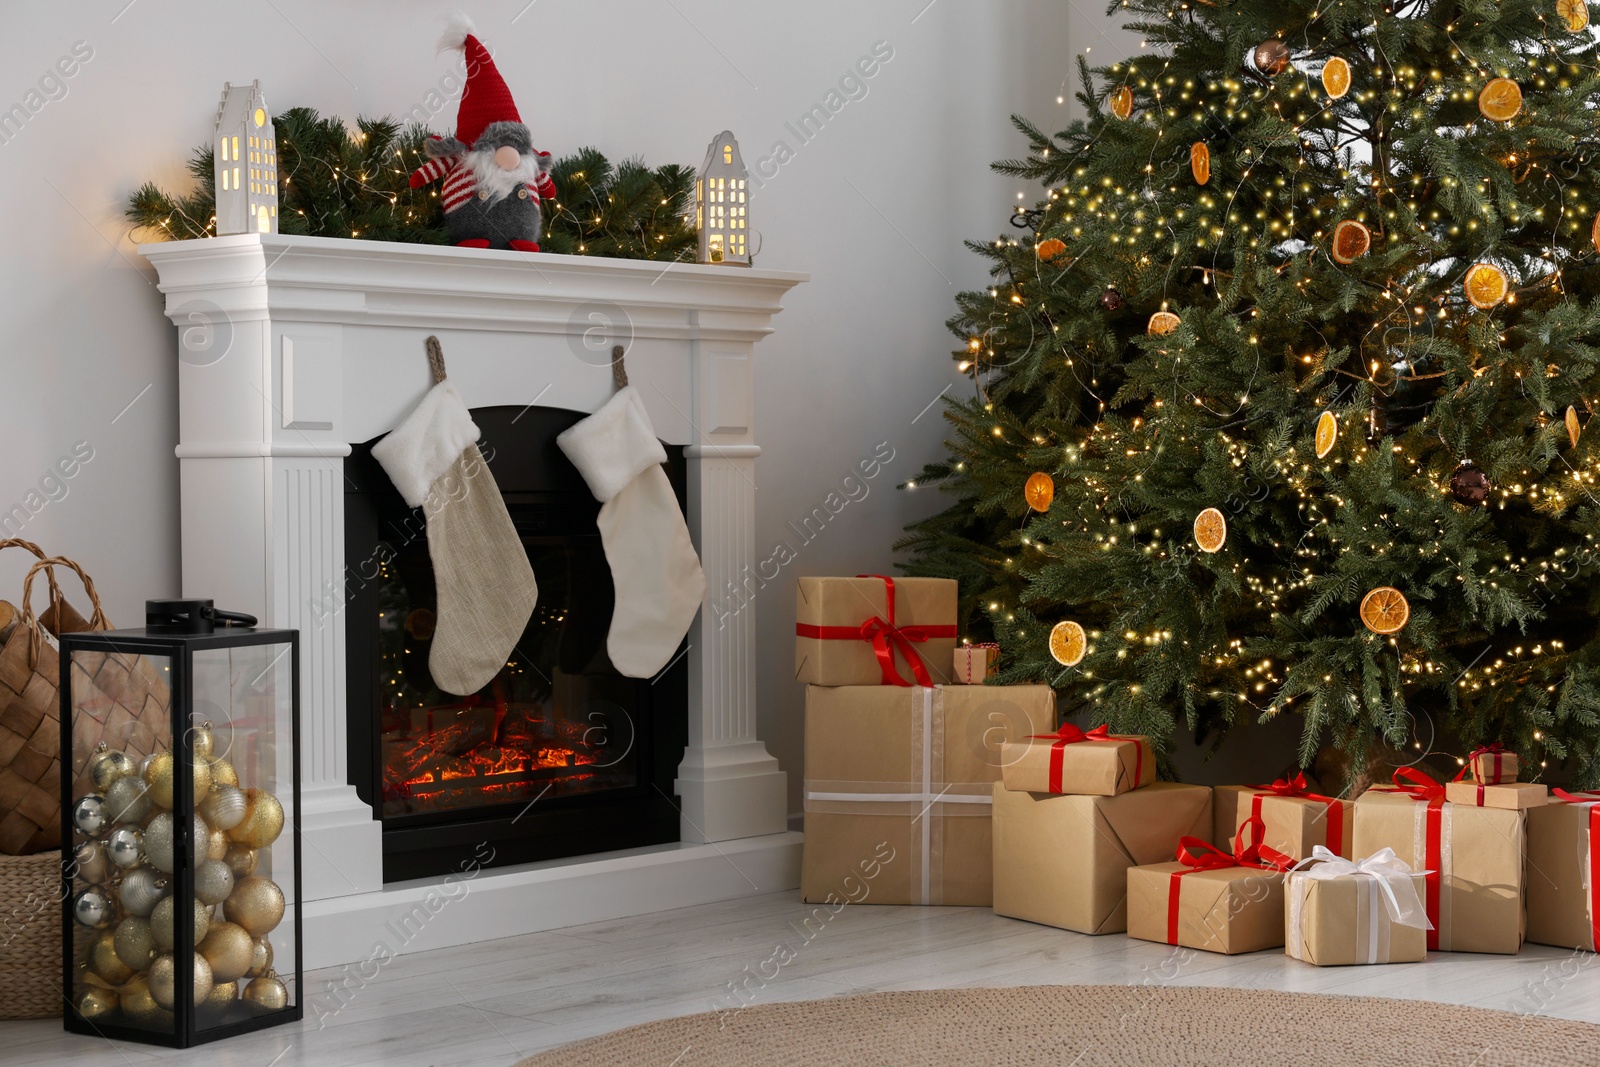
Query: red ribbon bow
1198	855
1498	751
1592	799
1069	734
885	637
1422	787
1298	787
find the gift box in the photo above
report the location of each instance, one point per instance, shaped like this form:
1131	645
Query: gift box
1209	899
1063	860
1094	763
1517	796
1563	875
974	663
1339	911
1297	820
905	776
1473	858
873	630
1492	764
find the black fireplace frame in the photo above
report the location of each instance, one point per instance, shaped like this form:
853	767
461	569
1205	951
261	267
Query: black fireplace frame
546	496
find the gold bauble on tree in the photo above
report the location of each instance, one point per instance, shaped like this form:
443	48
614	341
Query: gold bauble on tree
267	993
263	820
256	904
229	949
163	981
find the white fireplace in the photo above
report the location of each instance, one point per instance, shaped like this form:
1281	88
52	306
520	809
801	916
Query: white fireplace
294	348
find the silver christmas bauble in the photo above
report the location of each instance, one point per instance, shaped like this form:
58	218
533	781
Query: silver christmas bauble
125	846
93	909
89	814
225	808
213	881
89	862
128	800
159	843
141	890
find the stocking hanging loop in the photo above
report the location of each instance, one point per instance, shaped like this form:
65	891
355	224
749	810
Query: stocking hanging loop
619	369
435	360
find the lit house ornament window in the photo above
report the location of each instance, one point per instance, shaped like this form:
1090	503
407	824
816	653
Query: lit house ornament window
721	197
246	165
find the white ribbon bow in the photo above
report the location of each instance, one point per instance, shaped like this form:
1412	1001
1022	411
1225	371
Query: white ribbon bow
1393	877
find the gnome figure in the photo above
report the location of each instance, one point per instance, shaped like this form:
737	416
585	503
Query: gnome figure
494	179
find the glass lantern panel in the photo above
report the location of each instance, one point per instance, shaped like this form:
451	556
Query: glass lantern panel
246	695
120	871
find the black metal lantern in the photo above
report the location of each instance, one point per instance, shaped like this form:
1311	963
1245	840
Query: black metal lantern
181	883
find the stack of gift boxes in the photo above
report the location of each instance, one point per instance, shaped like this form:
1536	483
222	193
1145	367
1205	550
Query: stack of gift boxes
924	785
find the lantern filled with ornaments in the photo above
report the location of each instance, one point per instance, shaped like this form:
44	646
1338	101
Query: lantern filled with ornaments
181	886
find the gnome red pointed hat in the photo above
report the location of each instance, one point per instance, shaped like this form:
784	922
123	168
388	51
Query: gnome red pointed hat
486	98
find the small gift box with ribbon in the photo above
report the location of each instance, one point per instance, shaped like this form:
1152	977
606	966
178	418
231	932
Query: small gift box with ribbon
1296	819
1063	860
1492	764
904	778
1092	763
1210	899
1518	796
1473	888
874	630
1564	871
974	663
1365	911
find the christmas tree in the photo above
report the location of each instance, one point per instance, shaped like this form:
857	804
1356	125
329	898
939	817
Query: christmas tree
1279	388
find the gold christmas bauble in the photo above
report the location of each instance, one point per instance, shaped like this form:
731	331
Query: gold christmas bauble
212	882
240	860
161	923
260	959
229	950
135	943
140	1008
226	807
217	845
222	773
222	994
160	776
159	844
256	904
96	1004
202	741
263	820
163	981
128	800
267	993
106	768
89	862
104	961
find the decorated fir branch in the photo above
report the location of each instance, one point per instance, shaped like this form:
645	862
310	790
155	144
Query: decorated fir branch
337	182
1304	330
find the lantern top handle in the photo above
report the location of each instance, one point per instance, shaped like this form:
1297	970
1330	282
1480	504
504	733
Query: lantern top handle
190	617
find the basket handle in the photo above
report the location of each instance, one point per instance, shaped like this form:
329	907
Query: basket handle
97	620
17	542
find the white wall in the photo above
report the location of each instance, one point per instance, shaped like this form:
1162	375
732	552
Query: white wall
875	207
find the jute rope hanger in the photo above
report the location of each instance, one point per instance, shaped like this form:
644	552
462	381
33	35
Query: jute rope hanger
619	368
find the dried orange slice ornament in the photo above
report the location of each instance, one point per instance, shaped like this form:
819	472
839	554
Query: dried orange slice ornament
1351	240
1575	13
1200	162
1500	100
1574	428
1384	610
1051	247
1039	491
1122	103
1163	322
1485	285
1336	77
1210	530
1327	433
1068	643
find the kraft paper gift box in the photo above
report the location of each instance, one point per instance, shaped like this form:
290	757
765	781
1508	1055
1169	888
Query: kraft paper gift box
1209	900
908	773
874	630
1474	856
1063	860
974	663
1096	763
1517	796
1493	765
1337	912
1563	875
1297	820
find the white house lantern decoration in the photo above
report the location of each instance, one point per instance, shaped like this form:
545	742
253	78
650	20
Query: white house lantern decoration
246	163
721	197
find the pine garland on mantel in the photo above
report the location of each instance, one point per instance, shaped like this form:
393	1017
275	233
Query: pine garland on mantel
336	182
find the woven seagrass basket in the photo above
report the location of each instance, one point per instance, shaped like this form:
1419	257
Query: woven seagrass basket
30	936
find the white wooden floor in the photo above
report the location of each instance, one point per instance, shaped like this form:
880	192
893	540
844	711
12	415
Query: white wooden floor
495	1002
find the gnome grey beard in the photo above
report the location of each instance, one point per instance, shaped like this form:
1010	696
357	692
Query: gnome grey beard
503	213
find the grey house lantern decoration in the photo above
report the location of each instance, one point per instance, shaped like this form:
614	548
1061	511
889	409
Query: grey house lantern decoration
720	204
246	162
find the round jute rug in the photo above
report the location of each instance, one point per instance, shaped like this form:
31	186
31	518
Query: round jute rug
1095	1026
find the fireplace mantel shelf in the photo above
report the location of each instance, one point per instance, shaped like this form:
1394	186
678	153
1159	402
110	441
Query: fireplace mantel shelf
293	349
